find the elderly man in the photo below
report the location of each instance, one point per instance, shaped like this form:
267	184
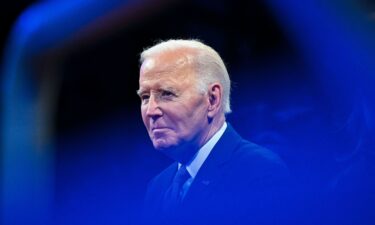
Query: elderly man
218	177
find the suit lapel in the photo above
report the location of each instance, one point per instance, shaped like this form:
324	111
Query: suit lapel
211	171
168	175
162	182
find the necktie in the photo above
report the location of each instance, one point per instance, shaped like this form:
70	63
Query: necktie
173	195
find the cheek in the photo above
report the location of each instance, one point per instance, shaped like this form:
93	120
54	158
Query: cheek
199	112
192	119
144	117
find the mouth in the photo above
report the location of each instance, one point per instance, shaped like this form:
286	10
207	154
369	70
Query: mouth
159	128
159	132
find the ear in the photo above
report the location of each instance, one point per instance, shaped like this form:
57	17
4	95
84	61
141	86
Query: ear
214	96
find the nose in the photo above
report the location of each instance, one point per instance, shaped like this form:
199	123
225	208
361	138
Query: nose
153	108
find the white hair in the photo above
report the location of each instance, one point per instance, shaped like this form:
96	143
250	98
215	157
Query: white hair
208	64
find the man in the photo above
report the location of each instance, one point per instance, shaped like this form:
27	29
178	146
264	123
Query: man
218	177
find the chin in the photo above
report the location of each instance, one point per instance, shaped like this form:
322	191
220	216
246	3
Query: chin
163	145
169	149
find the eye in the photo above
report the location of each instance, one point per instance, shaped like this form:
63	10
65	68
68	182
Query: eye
168	94
145	97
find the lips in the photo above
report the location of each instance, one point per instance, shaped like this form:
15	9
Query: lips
159	128
159	132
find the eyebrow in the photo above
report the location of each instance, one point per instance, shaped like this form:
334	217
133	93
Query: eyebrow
140	92
171	89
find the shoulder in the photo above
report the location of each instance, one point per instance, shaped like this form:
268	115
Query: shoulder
247	158
255	163
250	153
242	150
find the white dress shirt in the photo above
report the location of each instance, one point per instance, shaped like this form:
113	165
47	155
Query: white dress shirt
196	163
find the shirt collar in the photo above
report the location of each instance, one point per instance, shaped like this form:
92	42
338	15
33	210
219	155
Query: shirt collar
194	165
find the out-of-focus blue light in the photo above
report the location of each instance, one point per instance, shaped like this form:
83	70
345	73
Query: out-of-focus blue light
28	164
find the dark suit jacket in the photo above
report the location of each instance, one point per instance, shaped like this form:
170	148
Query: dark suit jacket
239	183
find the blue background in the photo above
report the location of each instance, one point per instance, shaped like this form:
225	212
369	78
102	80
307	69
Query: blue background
74	149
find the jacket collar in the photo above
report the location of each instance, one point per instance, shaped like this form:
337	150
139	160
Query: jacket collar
211	171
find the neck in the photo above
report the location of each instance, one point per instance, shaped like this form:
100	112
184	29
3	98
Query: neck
189	150
213	127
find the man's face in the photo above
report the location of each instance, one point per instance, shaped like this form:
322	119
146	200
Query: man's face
173	111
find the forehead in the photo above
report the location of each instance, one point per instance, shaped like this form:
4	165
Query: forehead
170	67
